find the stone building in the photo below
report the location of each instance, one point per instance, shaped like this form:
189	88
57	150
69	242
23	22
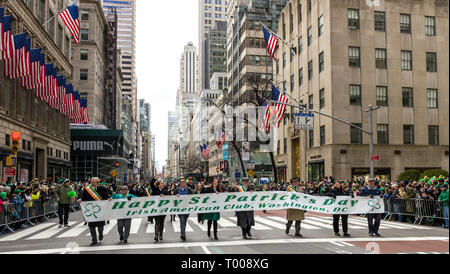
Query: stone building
350	55
45	143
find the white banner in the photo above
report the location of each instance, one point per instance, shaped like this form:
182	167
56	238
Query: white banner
226	202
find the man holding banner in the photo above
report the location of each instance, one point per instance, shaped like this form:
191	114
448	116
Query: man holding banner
95	192
245	219
294	214
373	219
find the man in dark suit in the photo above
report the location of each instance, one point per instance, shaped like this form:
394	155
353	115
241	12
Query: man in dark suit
245	219
95	192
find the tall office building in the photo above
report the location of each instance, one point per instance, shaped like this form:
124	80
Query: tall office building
210	13
350	55
144	116
126	32
215	53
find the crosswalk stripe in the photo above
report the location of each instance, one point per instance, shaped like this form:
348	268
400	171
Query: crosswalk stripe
305	226
259	226
135	225
422	253
177	228
316	223
107	228
336	243
347	244
49	232
74	232
26	232
225	223
150	228
331	223
269	222
384	224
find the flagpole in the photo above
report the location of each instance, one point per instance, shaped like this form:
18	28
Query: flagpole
285	93
291	47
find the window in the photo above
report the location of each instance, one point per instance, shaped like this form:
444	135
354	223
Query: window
309	36
310	70
432	98
383	134
292	82
284	86
278	147
84	15
380	58
311	102
311	138
84	54
353	57
321	62
51	25
431	62
355	95
430	26
300	45
300	76
407	97
353	19
382	97
83	74
278	67
322	98
24	145
405	23
320	25
380	21
356	135
322	135
284	59
299	13
84	34
309	5
433	135
291	56
406	60
285	145
7	140
408	134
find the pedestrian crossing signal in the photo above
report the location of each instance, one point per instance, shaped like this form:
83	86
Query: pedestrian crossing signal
11	161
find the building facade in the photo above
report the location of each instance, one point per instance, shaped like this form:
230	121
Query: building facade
349	56
45	141
210	13
89	61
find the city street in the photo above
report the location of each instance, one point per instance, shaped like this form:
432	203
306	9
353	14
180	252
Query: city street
268	238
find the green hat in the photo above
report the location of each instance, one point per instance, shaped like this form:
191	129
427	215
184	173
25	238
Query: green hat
18	191
382	189
3	195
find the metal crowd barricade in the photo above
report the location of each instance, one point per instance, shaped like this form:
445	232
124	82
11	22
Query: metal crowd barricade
4	218
387	207
403	207
430	209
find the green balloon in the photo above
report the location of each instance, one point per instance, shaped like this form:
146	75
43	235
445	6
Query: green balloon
72	194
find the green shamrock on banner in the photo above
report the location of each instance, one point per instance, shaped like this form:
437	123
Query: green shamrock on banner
91	210
374	204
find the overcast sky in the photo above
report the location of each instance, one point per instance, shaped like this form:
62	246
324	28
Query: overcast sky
163	29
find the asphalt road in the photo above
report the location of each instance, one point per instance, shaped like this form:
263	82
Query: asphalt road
268	238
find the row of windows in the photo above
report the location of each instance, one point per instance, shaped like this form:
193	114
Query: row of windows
380	22
356	136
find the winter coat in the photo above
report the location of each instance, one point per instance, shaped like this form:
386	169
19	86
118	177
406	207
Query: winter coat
61	193
245	218
444	198
214	216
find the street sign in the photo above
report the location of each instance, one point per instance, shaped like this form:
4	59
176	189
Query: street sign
376	157
10	172
304	121
251	173
225	151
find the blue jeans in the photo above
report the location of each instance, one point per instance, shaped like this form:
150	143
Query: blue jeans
183	221
446	215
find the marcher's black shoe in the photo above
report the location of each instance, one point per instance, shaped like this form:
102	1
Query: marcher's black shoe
347	235
100	238
161	238
121	238
85	223
299	235
125	242
209	234
215	237
249	235
244	237
337	234
183	238
378	234
93	243
371	234
156	239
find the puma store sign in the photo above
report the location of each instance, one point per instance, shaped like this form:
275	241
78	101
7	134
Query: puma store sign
95	147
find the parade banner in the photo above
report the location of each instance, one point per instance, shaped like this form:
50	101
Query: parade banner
227	202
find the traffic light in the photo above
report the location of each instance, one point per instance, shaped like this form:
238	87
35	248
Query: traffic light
15	136
117	164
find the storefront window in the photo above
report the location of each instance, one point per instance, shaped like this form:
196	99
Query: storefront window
316	171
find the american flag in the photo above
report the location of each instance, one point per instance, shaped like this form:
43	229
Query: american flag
2	12
25	58
85	111
77	117
31	81
264	124
12	65
72	22
69	96
278	96
7	38
271	43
